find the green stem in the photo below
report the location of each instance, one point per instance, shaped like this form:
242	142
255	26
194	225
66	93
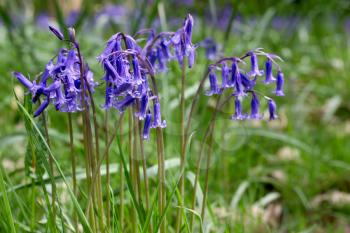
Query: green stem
136	156
108	178
53	185
161	177
206	182
121	173
6	207
132	168
87	139
74	173
199	160
144	166
183	144
33	215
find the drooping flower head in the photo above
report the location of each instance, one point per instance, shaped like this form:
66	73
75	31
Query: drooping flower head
238	111
241	83
255	107
254	64
279	83
127	74
214	86
60	83
268	71
165	46
272	110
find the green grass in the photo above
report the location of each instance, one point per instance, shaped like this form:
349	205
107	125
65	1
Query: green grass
301	156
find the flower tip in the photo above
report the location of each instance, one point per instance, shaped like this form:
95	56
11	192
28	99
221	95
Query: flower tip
22	79
71	34
239	117
56	32
279	93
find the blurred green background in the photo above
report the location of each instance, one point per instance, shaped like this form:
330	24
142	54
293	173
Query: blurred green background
291	175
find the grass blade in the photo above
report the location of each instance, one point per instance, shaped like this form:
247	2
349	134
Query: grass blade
76	205
7	207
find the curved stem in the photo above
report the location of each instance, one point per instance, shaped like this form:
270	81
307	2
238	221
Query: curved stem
208	134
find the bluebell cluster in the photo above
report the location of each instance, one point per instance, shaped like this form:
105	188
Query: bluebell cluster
60	83
243	83
129	68
127	76
166	46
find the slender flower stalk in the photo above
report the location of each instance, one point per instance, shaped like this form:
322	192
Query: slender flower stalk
144	164
132	168
53	184
161	176
121	177
108	177
182	146
136	156
72	155
241	86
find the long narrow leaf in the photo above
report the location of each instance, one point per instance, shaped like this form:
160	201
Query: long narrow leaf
80	212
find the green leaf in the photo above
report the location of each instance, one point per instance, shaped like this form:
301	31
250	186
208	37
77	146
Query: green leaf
76	205
139	209
6	207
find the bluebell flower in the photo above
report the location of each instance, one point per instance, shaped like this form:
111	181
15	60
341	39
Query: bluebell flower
225	75
255	66
59	100
147	126
268	72
157	120
247	83
243	83
188	25
182	41
279	83
214	87
64	92
136	71
234	72
56	32
121	105
236	80
143	107
161	60
272	109
42	107
165	49
238	111
20	77
127	84
254	107
191	57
